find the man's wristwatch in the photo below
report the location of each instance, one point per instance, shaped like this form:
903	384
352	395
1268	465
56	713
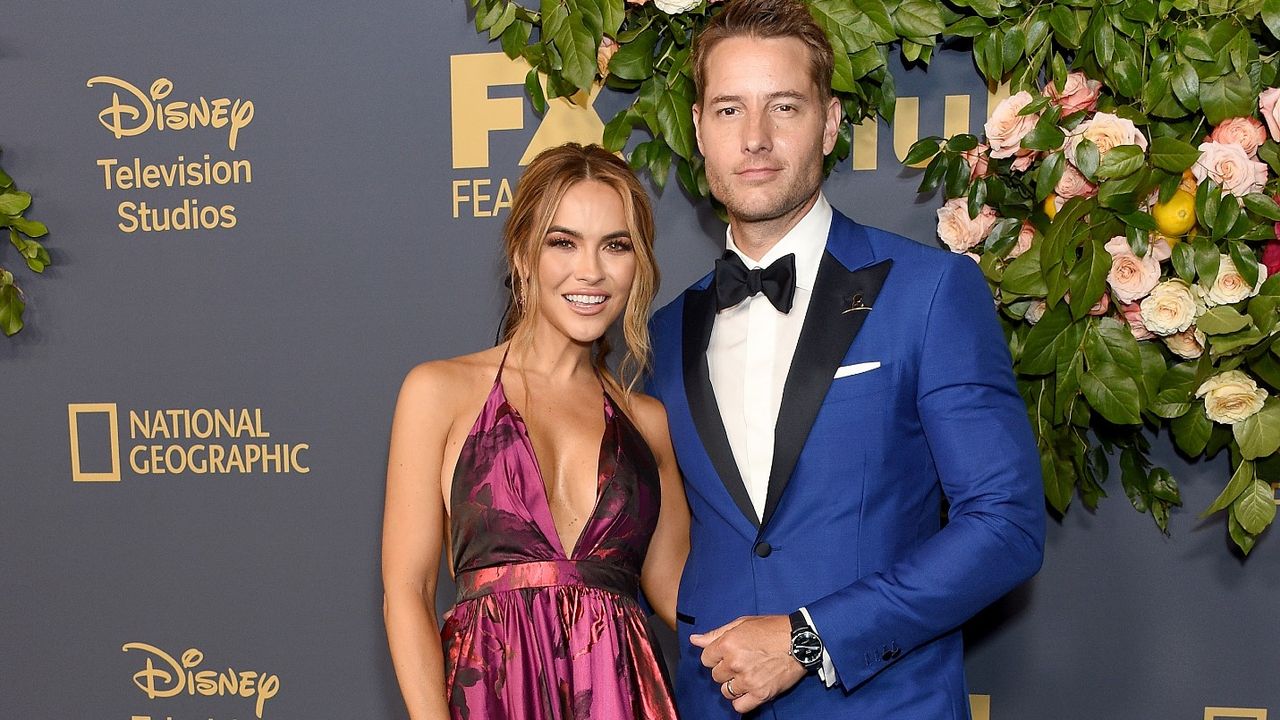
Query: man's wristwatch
806	646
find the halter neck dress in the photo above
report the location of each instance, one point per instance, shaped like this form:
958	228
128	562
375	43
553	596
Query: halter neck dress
538	633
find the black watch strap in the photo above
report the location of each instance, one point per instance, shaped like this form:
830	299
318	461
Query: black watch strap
806	646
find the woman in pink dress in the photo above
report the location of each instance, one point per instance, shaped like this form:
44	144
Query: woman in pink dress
551	480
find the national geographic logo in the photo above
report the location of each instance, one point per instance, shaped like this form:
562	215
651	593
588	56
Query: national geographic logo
132	112
476	115
199	441
164	676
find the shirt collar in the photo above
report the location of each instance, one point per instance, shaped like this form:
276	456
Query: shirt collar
807	239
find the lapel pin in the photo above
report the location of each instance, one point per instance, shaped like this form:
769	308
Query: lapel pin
856	304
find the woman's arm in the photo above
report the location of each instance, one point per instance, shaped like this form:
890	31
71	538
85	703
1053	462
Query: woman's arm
413	526
660	576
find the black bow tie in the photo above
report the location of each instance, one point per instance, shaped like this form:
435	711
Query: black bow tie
735	283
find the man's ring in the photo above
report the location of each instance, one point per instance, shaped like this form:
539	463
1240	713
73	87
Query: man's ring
728	685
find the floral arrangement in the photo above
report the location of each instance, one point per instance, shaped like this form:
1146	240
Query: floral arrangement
22	235
1138	274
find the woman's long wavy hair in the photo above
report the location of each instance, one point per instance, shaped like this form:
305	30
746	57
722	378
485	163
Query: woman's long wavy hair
538	195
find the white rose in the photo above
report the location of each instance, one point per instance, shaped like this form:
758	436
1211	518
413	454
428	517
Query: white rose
1229	287
1188	344
675	7
1231	396
1169	309
1106	131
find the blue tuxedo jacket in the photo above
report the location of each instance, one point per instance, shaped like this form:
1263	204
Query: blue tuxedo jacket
853	524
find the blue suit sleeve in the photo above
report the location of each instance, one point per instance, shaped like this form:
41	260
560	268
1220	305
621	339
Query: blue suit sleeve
979	438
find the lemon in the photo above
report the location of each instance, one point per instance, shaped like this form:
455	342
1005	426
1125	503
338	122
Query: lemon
1177	216
1050	205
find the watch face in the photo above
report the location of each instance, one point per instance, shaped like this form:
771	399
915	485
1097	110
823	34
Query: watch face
806	647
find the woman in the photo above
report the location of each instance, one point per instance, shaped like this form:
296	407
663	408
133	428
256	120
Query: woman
555	481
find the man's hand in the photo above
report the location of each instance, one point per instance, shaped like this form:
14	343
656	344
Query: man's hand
755	653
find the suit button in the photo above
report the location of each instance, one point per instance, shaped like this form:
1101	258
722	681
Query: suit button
764	549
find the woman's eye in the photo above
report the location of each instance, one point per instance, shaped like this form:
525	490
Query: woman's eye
619	246
560	242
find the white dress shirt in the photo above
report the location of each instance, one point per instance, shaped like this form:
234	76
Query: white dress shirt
749	355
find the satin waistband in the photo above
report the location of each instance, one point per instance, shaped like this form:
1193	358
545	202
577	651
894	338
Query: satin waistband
547	573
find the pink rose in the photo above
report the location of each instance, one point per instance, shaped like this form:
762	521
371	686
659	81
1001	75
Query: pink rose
1270	113
1073	184
1024	160
1025	236
1246	132
959	231
1078	93
1133	315
1271	257
1106	131
1231	167
1006	128
1188	344
978	161
1131	277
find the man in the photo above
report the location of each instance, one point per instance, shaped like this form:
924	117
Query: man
827	387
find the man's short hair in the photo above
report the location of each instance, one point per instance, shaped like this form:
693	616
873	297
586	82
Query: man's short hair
766	19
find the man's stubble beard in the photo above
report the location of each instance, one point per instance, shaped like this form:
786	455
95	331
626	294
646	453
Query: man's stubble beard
791	197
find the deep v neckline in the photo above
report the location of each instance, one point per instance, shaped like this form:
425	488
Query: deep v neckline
610	417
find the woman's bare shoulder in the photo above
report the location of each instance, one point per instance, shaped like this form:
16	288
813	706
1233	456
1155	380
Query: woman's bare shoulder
650	417
453	379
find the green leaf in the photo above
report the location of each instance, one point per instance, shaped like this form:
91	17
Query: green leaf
1067	25
1222	320
1111	343
1242	539
1191	431
1185	84
1058	484
1172	155
1184	261
962	142
1089	281
968	26
978	196
1226	97
634	61
1014	46
1255	508
1087	158
1207	261
515	38
675	121
1023	276
1261	204
1039	355
13	202
1044	136
35	229
617	131
533	89
1259	434
11	307
1271	16
613	13
1113	393
1121	161
918	19
1225	218
577	48
1048	175
1240	481
922	150
1242	257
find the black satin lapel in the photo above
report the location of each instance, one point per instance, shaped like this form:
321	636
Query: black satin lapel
699	314
824	340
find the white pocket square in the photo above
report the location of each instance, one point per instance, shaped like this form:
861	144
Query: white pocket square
856	368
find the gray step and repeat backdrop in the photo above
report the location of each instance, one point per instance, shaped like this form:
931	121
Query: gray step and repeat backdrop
263	214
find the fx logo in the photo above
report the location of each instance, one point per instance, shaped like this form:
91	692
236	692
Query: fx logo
475	114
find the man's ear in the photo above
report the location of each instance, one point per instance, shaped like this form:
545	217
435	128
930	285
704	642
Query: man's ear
831	126
697	128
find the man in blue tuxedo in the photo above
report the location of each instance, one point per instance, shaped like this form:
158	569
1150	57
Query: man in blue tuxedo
830	388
